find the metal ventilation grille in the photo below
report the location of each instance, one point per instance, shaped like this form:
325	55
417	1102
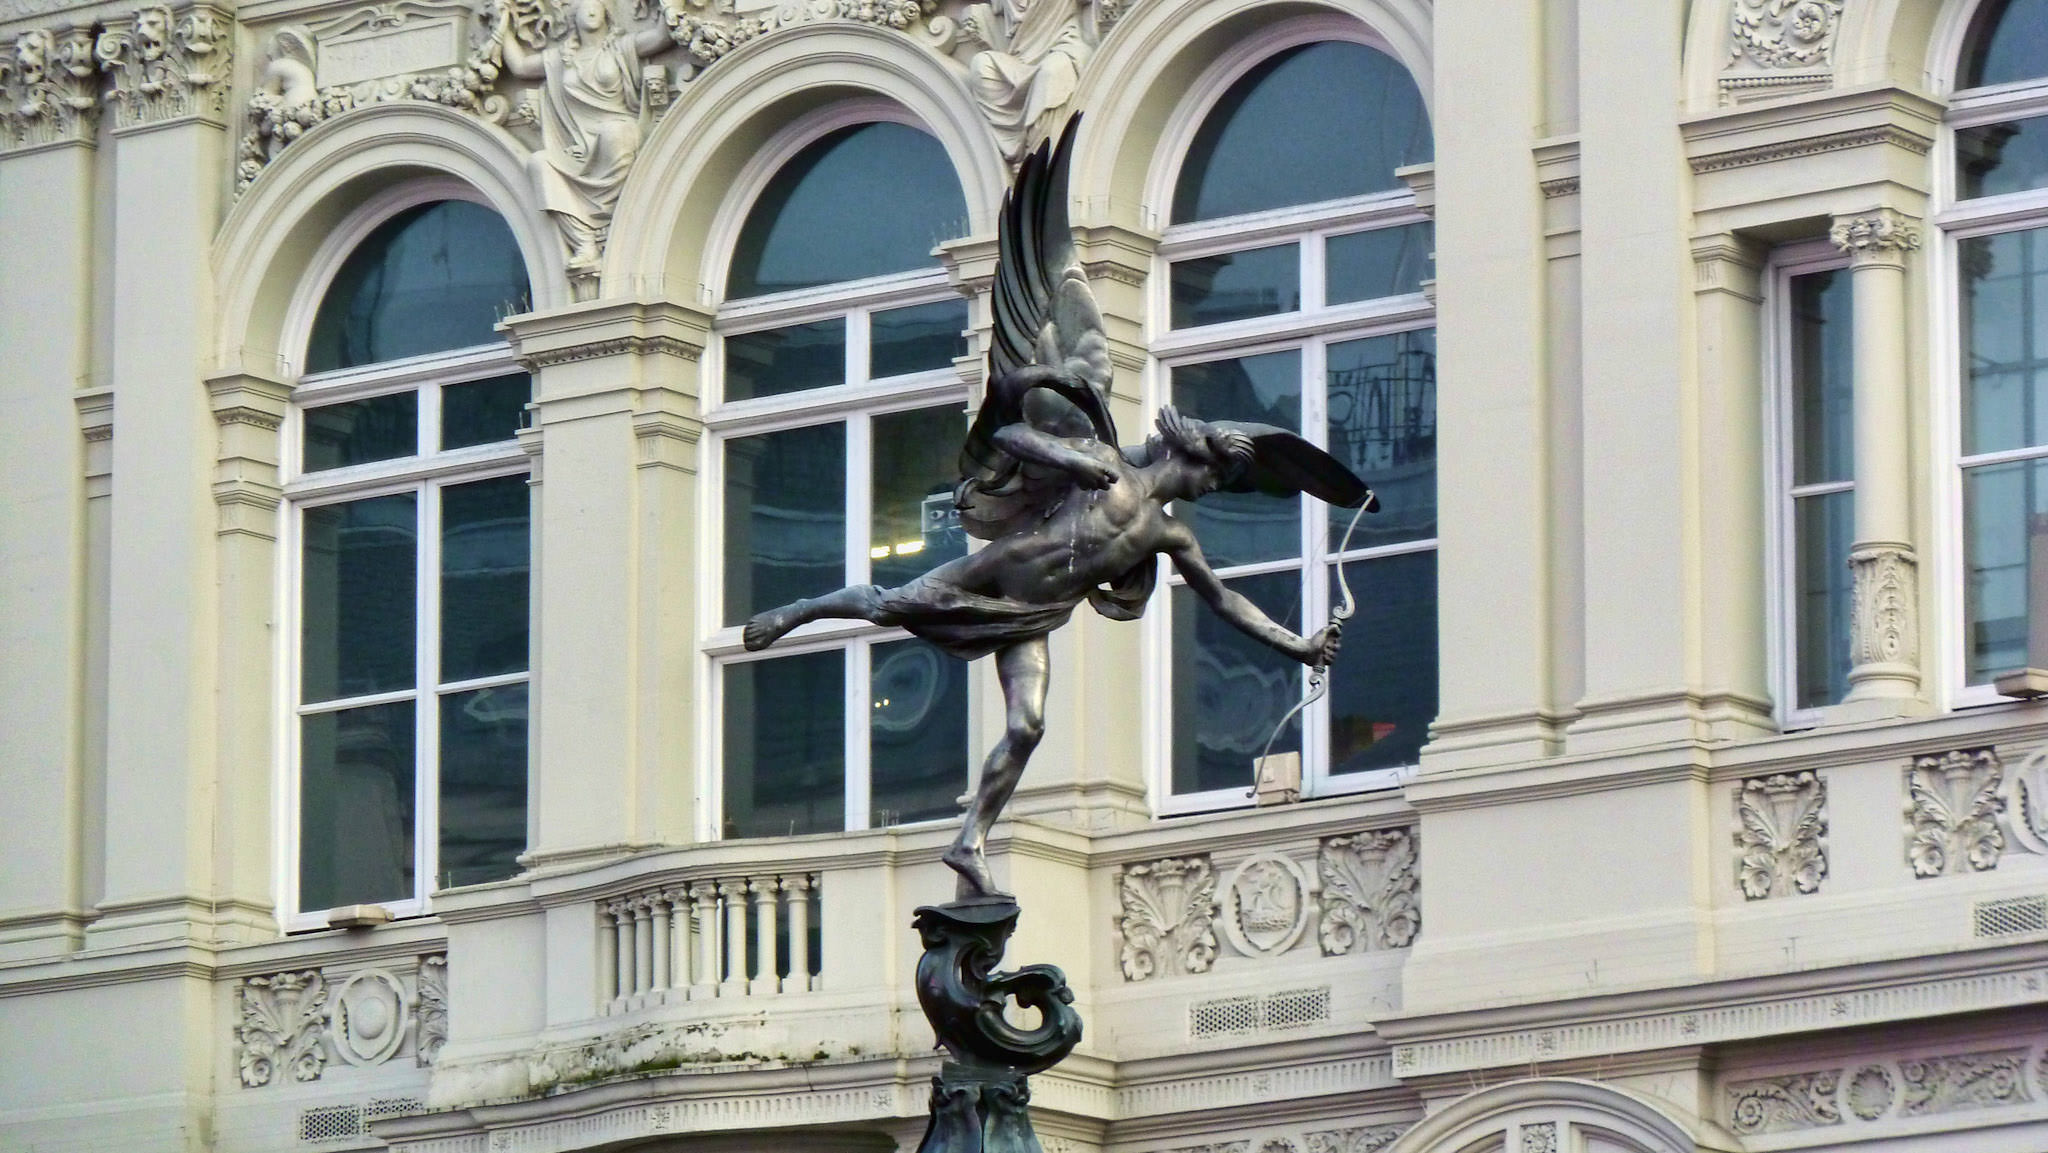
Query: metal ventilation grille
1243	1016
338	1122
2012	915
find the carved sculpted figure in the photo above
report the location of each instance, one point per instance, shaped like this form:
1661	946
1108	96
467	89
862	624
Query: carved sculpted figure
592	116
1068	516
1035	50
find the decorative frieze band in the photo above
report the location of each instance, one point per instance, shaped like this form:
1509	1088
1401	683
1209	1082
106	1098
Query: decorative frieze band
291	1026
1781	834
49	88
1918	1086
167	64
1812	146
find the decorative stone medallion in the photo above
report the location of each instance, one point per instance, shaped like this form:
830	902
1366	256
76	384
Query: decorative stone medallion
369	1018
1870	1092
1265	905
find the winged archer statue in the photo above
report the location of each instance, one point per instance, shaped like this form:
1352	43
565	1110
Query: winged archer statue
1067	515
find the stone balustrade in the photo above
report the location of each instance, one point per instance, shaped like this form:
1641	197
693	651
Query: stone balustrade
737	936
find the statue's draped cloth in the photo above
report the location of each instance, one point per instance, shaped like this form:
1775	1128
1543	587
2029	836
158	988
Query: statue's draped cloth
969	625
590	129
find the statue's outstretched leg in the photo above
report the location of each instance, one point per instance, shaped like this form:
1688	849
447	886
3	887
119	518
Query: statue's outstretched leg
1023	670
860	602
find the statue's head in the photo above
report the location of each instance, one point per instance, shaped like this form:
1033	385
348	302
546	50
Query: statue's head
1214	454
32	56
152	32
590	16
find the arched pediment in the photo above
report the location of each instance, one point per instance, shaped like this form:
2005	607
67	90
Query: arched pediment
270	239
1550	1112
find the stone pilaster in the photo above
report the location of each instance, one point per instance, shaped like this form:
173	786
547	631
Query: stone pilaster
1885	678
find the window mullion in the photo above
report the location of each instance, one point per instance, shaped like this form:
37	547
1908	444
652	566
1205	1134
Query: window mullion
858	706
860	450
1315	588
427	676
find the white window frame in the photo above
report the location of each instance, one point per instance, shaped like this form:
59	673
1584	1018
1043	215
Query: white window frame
424	473
1309	329
1956	220
854	404
1781	524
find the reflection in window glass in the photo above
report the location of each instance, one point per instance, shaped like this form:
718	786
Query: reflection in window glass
862	201
1238	528
1382	262
2005	510
785	518
484	588
2005	363
356	806
484	411
785	746
1236	285
361	431
1824	528
2010	156
1230	690
2010	44
1382	405
1383	686
357	573
1823	464
1823	399
917	733
433	277
917	339
483	784
780	360
912	523
1248	155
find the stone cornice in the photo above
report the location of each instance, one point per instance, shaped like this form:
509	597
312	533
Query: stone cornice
608	328
1824	122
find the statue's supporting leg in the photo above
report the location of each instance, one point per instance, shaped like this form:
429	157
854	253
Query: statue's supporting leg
1023	669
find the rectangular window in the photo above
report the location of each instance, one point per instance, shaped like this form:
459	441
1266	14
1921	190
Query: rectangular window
1814	407
411	674
840	481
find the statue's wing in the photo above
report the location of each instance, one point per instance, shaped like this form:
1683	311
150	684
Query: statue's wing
1283	464
1049	361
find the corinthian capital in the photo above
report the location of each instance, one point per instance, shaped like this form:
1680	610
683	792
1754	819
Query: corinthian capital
1881	235
48	88
168	64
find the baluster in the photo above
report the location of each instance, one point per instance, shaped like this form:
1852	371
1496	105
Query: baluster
765	981
799	890
624	915
654	926
733	894
675	910
704	911
607	958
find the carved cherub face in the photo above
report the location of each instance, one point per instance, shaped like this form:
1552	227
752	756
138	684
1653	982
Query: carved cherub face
152	32
31	56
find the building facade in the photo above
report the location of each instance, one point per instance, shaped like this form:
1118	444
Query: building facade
406	403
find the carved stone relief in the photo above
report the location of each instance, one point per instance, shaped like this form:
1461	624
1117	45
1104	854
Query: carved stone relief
282	1025
1265	905
1881	235
1952	808
1870	1092
430	1005
49	88
367	1021
2027	803
1781	834
1363	1139
167	64
1791	1101
1779	46
1371	893
1540	1138
1883	626
1167	922
1960	1081
1027	62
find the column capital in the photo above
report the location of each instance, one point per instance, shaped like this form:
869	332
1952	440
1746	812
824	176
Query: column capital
168	64
49	89
1880	236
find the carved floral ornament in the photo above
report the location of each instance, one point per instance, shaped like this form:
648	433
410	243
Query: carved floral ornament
291	1026
1953	801
1914	1086
49	88
1781	834
161	63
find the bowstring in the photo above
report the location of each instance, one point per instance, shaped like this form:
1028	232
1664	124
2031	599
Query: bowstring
1319	676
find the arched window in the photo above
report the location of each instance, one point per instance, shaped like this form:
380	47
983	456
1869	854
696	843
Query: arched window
409	527
1997	226
839	420
1295	266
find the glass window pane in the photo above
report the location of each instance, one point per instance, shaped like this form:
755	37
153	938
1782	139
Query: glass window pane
485	554
430	278
1241	527
484	411
1257	150
917	339
2005	563
1823	399
1383	426
360	431
1230	690
785	518
780	360
483	784
863	201
356	806
1383	262
1994	159
1236	285
357	576
2010	44
785	746
2005	329
1824	527
917	733
913	525
1383	687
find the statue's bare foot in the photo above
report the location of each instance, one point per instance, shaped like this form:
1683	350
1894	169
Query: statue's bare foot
975	879
768	627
